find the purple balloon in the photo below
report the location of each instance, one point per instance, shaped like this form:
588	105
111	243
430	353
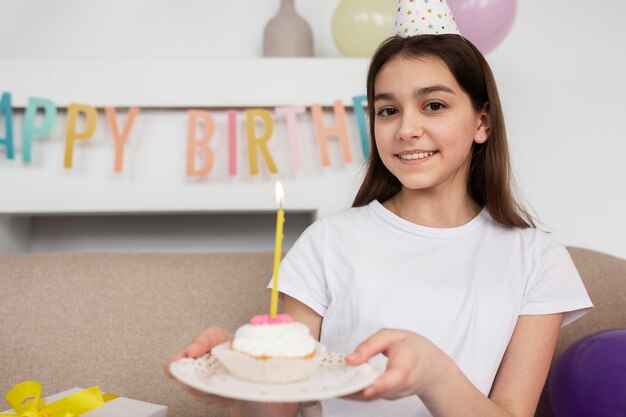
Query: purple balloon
484	22
589	378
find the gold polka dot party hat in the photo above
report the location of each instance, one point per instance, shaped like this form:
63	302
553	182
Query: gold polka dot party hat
424	17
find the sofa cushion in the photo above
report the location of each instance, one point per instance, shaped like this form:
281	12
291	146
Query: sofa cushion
78	320
605	279
113	319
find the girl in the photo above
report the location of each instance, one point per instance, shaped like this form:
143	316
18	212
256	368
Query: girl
435	266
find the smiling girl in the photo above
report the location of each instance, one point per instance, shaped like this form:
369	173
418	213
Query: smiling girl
436	265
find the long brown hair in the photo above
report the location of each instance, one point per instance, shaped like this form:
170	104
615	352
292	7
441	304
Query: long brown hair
489	182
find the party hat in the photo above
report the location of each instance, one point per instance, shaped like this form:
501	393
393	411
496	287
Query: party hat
424	17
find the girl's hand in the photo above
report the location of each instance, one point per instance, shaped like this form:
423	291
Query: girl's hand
415	364
202	344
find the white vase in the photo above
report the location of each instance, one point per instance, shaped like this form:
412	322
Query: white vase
287	33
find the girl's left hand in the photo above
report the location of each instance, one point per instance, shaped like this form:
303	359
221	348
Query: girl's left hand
415	364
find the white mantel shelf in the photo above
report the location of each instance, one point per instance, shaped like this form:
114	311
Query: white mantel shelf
153	179
185	83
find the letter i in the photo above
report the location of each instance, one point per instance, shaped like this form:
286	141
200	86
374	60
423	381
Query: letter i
232	142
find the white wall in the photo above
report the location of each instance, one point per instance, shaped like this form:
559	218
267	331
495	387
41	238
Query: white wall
560	72
150	28
215	232
561	75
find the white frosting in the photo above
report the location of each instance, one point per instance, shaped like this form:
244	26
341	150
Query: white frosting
287	340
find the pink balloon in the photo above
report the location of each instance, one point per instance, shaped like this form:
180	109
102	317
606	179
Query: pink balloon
484	22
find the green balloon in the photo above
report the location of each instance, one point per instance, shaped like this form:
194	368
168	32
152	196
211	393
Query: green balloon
359	26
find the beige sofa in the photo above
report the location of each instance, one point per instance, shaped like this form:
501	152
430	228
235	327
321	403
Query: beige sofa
78	320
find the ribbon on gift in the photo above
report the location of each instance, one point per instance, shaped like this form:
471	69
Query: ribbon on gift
25	398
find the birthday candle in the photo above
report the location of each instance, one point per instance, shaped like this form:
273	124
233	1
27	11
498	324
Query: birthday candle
280	219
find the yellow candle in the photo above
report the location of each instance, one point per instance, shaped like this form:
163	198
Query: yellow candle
280	219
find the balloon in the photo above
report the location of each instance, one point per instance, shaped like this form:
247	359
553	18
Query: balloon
484	22
359	26
589	378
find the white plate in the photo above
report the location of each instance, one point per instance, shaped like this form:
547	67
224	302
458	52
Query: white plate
333	378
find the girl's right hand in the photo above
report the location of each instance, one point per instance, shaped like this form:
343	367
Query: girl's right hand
203	343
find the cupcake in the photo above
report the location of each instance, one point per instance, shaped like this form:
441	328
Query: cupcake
272	350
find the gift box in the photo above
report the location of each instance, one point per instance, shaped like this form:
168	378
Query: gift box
113	406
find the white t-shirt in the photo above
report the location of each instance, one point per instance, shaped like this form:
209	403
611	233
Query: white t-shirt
463	288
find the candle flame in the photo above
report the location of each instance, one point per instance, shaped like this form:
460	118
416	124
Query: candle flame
280	194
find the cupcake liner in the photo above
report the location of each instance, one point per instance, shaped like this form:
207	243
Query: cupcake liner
272	370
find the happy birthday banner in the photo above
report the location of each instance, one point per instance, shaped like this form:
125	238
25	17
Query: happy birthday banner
200	156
